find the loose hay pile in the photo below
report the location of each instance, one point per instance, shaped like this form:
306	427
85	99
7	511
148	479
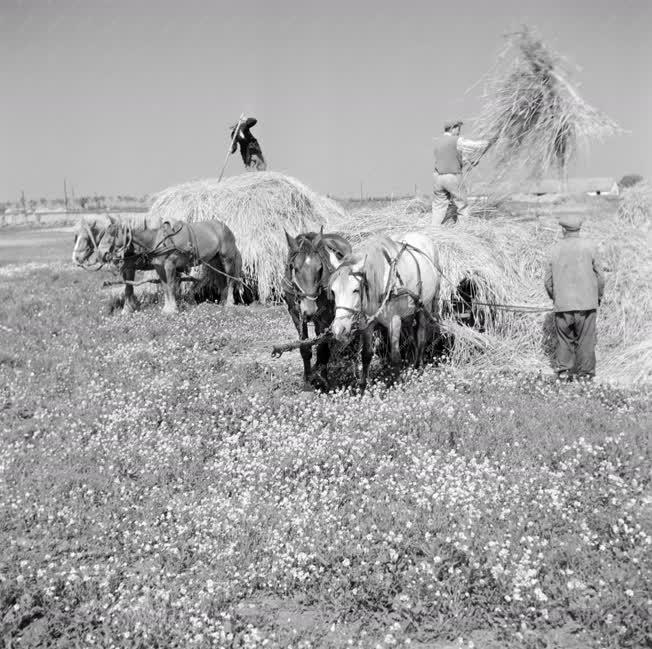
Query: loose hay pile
636	204
503	262
406	212
532	114
257	207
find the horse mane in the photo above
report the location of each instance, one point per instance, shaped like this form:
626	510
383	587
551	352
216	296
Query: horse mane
140	221
373	258
306	245
95	221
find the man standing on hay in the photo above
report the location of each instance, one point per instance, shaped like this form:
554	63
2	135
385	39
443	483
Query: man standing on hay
452	153
250	150
574	281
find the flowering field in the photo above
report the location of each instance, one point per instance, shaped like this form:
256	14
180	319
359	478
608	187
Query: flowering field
164	482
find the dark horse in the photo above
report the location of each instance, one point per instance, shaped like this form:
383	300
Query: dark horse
312	257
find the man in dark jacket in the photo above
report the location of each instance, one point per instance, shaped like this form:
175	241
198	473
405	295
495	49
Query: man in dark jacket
250	150
574	281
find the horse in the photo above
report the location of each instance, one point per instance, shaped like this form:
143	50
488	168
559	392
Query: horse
387	282
89	233
175	246
312	257
87	236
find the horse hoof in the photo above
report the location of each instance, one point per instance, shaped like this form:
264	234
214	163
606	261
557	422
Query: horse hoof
170	310
319	382
307	387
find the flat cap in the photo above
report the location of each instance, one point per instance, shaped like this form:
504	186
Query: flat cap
570	222
452	124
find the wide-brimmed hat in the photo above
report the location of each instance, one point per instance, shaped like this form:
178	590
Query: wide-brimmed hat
452	124
570	222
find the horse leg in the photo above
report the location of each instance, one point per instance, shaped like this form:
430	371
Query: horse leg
367	354
130	303
227	292
421	330
306	355
323	356
170	273
395	342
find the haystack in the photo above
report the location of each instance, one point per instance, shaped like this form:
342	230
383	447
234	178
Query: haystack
532	113
258	207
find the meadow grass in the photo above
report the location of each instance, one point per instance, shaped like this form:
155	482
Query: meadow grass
165	483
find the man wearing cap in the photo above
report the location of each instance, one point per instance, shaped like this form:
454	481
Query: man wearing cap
574	281
452	152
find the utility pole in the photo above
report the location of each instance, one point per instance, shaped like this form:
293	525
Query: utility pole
22	200
65	194
361	190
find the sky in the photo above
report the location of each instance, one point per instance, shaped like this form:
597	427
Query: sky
132	96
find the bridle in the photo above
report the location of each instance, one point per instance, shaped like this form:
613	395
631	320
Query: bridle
294	287
392	277
91	236
118	253
357	314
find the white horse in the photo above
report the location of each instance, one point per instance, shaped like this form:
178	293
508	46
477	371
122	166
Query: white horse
386	282
88	235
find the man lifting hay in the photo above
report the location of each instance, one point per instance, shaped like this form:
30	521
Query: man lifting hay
250	150
452	154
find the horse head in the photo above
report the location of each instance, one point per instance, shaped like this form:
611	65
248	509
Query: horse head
312	257
88	235
358	287
347	285
116	238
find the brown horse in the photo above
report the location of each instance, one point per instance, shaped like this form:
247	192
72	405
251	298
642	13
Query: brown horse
312	257
174	247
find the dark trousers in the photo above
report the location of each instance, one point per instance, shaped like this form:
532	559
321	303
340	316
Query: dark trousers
576	342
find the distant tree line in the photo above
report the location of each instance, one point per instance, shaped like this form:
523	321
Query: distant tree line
629	180
83	203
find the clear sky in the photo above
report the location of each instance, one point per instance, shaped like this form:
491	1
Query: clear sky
131	96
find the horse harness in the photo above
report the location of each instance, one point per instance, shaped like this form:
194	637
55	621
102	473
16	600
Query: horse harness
144	255
390	287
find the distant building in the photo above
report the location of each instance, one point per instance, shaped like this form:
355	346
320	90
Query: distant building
548	187
589	186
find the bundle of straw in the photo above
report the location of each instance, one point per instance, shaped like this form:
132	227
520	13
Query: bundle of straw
257	207
532	114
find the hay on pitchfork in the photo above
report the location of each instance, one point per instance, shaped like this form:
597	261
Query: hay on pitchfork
532	114
258	207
